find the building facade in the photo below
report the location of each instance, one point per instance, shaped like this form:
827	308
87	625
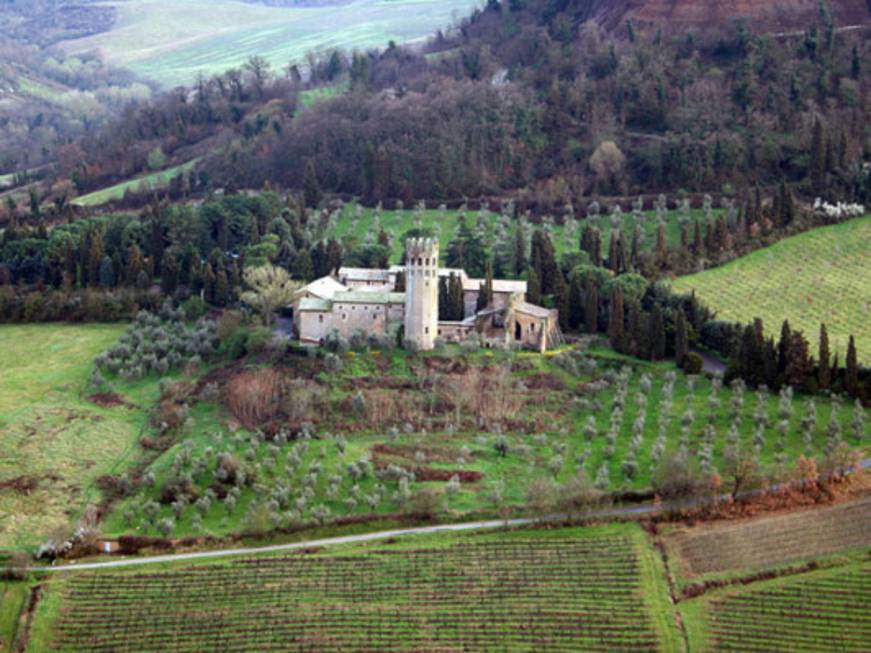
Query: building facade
364	301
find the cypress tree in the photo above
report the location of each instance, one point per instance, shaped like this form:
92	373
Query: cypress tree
444	301
783	347
615	317
171	270
134	264
311	187
458	304
106	274
657	334
591	307
533	287
661	246
636	344
209	284
824	378
95	257
485	292
615	253
681	338
222	288
561	298
520	263
576	302
851	370
697	238
818	157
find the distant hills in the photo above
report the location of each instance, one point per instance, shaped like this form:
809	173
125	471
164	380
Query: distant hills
706	16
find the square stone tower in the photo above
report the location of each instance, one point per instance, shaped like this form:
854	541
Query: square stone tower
422	291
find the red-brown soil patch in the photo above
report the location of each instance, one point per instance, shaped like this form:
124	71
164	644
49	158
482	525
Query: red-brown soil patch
20	484
109	400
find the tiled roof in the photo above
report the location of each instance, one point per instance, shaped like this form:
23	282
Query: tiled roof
364	274
325	288
499	285
314	304
369	297
531	309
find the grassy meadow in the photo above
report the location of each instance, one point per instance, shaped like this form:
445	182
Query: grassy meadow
823	275
153	181
54	440
171	42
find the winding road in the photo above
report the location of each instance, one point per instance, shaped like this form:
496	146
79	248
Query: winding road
626	511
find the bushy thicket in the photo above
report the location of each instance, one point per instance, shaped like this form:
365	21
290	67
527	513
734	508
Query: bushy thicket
157	343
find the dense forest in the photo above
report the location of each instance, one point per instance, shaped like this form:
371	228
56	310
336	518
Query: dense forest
523	98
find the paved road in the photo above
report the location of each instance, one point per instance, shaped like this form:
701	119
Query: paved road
643	509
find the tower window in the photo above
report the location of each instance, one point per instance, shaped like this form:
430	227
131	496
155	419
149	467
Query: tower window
426	330
321	319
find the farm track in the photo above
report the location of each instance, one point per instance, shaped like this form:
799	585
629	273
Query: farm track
630	511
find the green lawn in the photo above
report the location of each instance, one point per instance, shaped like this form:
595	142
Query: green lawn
51	433
591	589
314	95
171	42
823	275
152	181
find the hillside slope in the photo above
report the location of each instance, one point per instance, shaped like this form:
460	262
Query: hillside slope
804	279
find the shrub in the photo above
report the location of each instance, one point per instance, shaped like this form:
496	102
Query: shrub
254	397
693	363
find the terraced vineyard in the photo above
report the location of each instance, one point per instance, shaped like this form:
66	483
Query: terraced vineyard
570	590
825	611
775	540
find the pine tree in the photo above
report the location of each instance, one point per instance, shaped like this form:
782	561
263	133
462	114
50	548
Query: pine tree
851	370
824	378
657	334
591	307
615	317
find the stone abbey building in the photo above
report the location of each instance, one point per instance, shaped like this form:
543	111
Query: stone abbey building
363	299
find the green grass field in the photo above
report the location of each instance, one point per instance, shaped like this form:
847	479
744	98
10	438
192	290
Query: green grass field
51	434
171	42
145	183
819	276
593	589
354	225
